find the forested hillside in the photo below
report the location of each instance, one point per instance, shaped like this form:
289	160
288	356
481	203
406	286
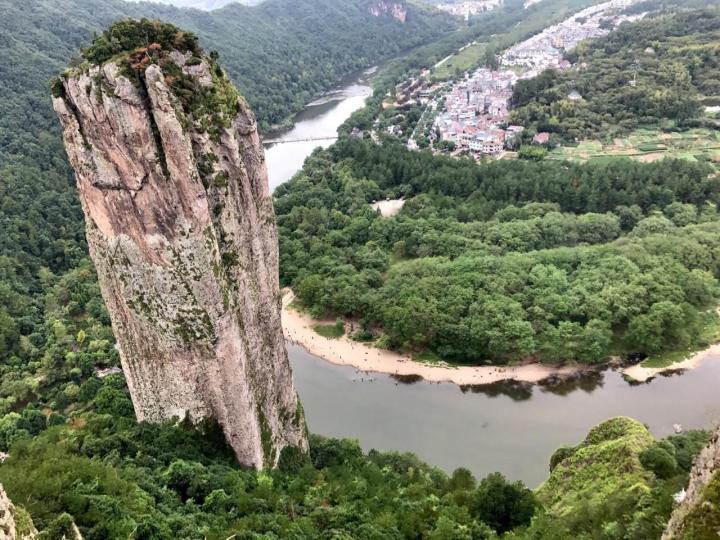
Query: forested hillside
504	260
658	72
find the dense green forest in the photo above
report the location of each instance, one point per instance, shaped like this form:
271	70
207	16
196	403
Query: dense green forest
504	260
658	72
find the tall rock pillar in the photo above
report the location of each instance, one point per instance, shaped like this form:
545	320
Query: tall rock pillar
181	228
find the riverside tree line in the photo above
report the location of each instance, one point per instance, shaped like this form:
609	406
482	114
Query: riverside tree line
505	260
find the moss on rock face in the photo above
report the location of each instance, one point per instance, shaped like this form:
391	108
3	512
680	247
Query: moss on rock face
605	464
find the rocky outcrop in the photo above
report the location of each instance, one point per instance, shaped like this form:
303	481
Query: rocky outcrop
9	528
7	518
181	228
699	512
389	8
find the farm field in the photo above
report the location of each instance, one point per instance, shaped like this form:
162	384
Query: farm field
648	145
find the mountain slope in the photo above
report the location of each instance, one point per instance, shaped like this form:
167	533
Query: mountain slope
207	5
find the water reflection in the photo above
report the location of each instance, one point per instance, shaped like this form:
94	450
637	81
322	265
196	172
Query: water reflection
406	379
587	381
515	390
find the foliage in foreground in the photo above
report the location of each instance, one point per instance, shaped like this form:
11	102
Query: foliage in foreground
112	476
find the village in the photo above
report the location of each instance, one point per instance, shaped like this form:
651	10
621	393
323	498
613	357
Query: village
471	115
469	8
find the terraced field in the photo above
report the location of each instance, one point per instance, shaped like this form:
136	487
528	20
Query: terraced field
648	145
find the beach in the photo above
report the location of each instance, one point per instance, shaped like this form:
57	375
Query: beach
643	374
298	329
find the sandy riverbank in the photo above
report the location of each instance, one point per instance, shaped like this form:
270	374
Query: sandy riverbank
642	374
343	351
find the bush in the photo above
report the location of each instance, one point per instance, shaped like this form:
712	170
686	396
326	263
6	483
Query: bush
561	454
532	152
503	506
660	459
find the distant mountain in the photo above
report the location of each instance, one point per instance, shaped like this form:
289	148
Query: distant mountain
206	5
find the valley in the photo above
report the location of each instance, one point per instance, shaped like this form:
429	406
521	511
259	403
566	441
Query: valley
517	279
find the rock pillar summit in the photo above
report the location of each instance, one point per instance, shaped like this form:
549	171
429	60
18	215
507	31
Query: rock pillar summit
180	225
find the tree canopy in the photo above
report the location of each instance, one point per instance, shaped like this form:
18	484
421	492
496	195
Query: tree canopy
504	260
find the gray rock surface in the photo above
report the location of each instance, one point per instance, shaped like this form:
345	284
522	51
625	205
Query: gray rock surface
8	526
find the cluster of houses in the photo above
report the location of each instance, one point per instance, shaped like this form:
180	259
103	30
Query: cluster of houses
469	8
545	50
415	90
476	114
475	109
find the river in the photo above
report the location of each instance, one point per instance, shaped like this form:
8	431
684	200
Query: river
510	428
318	121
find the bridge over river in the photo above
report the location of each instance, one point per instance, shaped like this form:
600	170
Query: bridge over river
306	139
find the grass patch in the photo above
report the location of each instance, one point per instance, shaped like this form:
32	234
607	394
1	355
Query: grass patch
330	331
651	147
427	356
460	62
709	335
363	336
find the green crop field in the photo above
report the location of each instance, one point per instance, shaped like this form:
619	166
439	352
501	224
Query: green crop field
648	145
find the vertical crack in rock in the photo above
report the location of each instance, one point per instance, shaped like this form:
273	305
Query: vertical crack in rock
180	225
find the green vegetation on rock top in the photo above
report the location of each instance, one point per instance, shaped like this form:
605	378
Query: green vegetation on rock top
610	453
127	35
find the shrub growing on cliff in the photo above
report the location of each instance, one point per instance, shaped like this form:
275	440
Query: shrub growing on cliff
660	459
129	34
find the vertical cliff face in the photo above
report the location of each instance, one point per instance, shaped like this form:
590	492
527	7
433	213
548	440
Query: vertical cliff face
397	9
698	515
181	229
7	518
